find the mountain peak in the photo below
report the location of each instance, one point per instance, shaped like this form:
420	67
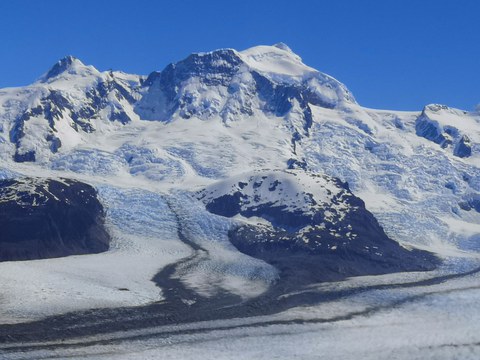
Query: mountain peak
435	108
283	46
69	64
69	59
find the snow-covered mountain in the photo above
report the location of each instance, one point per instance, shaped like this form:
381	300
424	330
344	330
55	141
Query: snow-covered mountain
216	114
68	102
164	152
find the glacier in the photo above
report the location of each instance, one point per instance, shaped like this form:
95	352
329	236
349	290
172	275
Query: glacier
150	144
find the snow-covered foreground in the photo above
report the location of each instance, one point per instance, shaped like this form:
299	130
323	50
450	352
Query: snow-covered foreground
390	320
444	326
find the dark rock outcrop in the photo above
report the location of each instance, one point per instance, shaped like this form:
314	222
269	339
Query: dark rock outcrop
308	237
463	147
444	135
45	218
470	202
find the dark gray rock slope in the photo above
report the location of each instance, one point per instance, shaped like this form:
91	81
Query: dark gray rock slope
45	218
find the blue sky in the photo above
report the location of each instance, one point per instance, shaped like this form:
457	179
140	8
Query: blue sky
391	54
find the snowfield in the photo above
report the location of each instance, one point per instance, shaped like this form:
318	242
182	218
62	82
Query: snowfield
150	144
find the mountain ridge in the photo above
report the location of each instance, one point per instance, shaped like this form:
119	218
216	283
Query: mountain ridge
260	106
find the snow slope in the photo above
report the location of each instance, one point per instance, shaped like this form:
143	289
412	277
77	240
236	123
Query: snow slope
403	178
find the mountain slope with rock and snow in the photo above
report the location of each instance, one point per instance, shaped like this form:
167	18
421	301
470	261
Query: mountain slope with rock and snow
178	159
63	106
309	226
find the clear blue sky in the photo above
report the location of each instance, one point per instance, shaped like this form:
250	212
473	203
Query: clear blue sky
391	54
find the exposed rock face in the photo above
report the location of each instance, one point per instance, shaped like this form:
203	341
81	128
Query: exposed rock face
463	147
432	131
317	229
183	87
441	124
471	202
45	218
